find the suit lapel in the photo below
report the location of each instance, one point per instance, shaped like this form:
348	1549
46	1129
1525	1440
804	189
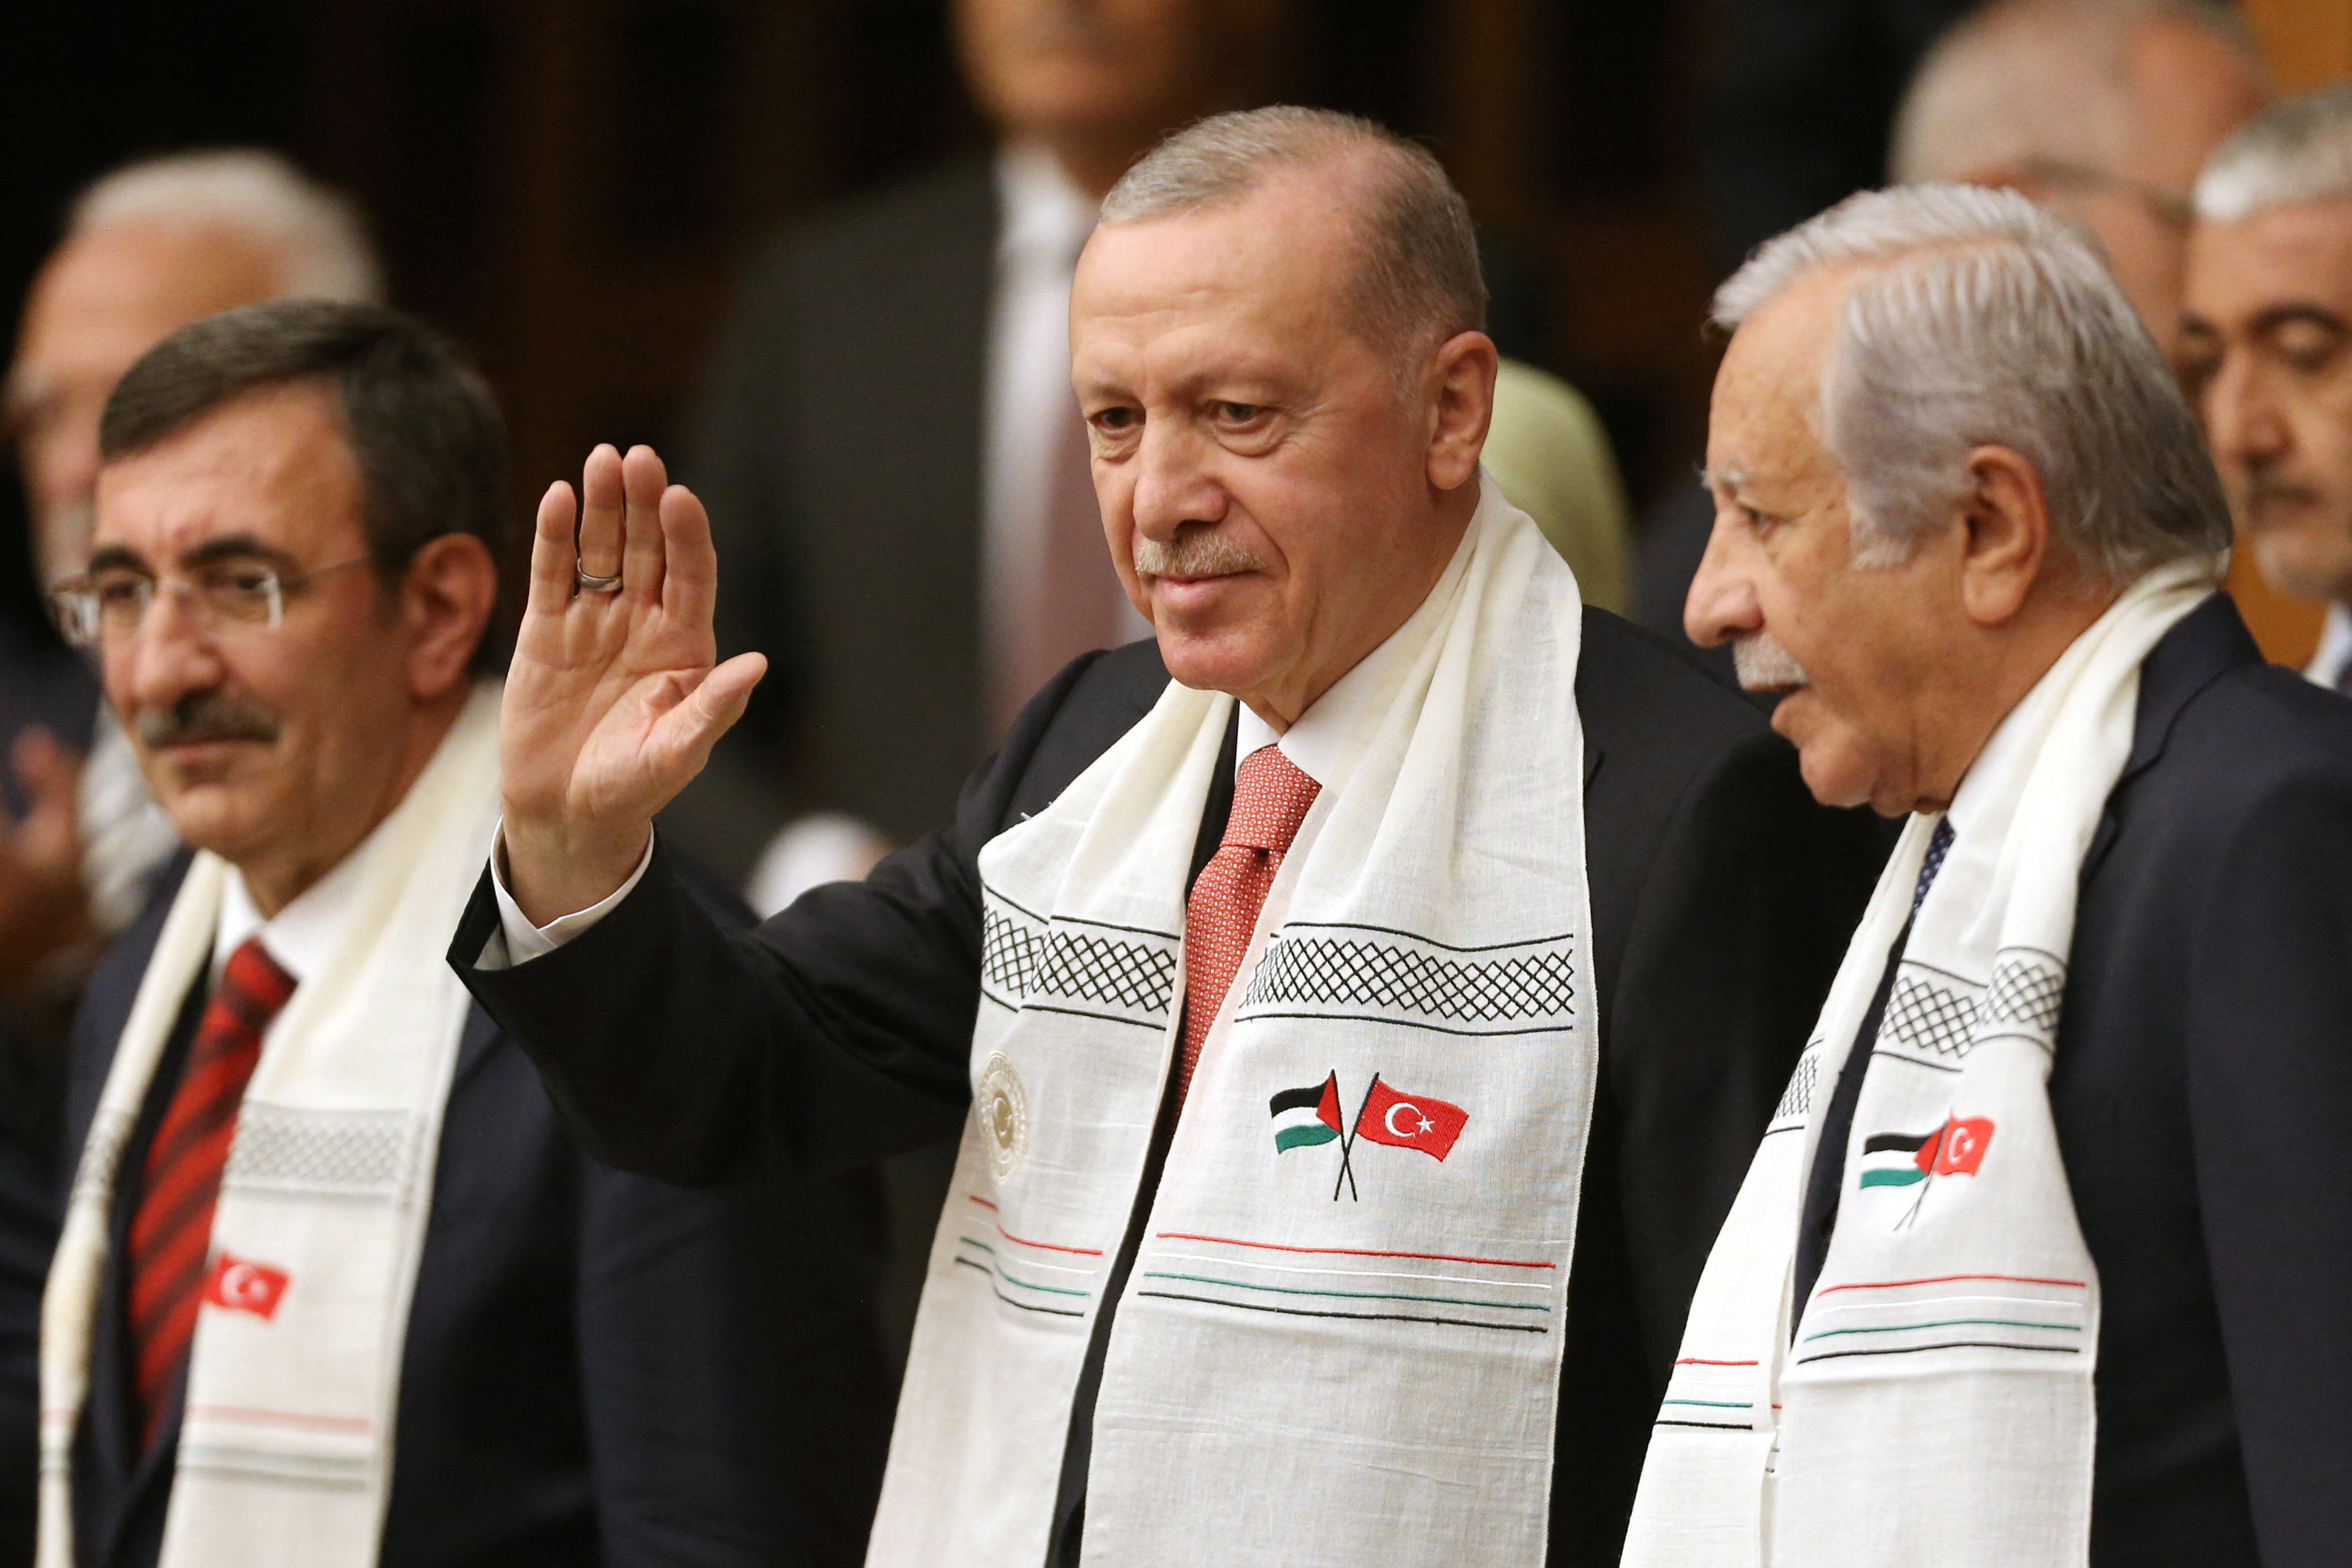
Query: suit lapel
2207	644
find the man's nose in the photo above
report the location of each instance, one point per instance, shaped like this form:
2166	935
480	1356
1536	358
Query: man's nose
166	656
1722	603
2243	418
1173	484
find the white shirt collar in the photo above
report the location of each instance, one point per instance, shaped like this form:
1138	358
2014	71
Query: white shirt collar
1323	742
303	935
1046	216
2335	647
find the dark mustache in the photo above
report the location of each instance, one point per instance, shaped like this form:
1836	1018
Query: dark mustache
2260	490
206	716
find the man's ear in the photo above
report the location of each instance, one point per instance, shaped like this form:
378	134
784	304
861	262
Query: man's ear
2007	544
446	602
1462	374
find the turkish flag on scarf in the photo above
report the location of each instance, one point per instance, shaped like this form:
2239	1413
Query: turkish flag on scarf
1404	1121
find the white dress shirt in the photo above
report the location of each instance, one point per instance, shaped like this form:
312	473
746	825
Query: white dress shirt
301	937
2327	667
1029	402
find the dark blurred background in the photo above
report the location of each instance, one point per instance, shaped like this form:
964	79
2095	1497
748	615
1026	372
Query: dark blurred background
570	185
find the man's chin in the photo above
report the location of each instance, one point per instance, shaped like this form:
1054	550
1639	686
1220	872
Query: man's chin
2307	563
1223	658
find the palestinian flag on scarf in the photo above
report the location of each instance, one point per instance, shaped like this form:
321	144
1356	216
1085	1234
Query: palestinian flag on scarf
1899	1159
1306	1117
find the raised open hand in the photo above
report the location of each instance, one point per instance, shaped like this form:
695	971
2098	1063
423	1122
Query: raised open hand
612	702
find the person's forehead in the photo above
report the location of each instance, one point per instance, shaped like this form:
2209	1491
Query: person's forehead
111	293
1762	423
2191	89
272	464
2299	254
1278	260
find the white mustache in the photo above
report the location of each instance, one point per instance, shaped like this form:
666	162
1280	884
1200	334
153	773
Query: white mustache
1201	554
1763	665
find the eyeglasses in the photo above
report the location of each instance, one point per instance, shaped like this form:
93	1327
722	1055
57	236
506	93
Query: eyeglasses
2170	208
109	605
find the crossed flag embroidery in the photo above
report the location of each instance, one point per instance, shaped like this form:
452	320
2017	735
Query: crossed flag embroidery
1310	1117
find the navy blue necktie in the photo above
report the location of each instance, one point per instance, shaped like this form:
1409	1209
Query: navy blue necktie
1837	1123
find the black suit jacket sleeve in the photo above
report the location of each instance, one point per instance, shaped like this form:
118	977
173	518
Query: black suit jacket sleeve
1749	902
837	1033
2270	1105
670	1448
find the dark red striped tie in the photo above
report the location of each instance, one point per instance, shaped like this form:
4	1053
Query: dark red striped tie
172	1232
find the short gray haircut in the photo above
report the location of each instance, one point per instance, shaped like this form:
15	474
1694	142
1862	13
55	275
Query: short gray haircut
252	192
1980	319
2296	151
1418	282
2024	80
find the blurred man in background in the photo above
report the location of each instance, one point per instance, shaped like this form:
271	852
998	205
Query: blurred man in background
2267	347
2100	109
895	469
147	249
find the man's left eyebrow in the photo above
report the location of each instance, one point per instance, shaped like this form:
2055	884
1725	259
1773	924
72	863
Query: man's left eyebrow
234	547
116	557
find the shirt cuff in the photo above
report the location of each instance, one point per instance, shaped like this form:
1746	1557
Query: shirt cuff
517	940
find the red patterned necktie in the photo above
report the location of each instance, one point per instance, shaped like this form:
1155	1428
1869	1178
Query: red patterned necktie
1270	800
172	1231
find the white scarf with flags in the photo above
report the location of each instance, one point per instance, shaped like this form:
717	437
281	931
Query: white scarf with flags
1932	1401
286	1446
1341	1340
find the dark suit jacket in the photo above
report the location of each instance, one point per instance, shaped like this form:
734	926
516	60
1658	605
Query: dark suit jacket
841	1029
600	1369
2204	1099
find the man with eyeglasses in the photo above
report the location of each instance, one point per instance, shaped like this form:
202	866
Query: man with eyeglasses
335	1289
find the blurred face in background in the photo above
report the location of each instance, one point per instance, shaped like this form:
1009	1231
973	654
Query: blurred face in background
2188	91
106	297
1276	504
1098	81
2267	348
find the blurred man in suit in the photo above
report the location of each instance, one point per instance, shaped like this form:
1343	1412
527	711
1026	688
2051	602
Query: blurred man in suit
2267	348
2100	109
334	1286
2043	1257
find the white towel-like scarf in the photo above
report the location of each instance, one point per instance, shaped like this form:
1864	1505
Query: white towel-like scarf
285	1453
1335	1348
1933	1402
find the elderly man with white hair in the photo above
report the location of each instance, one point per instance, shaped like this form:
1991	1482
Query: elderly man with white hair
2044	1257
1311	987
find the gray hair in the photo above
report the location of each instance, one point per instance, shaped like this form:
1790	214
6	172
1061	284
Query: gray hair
1980	319
2297	150
2026	80
318	231
1418	282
